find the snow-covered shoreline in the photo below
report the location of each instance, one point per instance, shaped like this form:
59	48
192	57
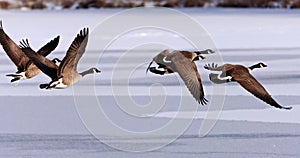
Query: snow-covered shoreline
229	28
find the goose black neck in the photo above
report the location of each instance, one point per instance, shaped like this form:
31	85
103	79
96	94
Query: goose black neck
254	66
90	71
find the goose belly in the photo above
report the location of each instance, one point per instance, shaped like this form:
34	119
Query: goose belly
61	85
65	82
19	76
22	76
32	71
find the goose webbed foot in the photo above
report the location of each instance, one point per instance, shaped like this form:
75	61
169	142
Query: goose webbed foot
44	86
14	80
13	75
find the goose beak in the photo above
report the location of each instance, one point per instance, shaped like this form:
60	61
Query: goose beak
97	71
263	65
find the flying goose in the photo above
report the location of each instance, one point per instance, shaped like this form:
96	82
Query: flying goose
66	73
162	69
26	69
241	74
181	62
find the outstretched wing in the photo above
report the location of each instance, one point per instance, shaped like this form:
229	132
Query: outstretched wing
74	53
46	49
12	50
49	47
255	88
44	64
187	70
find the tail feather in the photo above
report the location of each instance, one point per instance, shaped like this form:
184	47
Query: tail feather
149	66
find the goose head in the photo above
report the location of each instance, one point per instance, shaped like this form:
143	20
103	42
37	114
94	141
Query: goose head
95	70
90	71
258	65
207	51
261	65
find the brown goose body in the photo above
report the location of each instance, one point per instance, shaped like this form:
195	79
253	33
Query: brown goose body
25	68
66	73
241	75
162	69
181	62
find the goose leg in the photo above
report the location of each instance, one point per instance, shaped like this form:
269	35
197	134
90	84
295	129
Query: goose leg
14	75
44	86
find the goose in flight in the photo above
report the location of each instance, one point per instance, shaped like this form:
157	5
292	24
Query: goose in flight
25	68
241	74
66	73
182	62
162	69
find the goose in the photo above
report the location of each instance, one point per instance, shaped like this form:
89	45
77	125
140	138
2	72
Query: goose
181	62
162	69
241	74
25	68
66	73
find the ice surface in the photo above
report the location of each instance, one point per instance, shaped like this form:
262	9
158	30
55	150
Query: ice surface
255	115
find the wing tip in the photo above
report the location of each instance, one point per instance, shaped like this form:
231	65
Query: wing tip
203	101
84	32
57	38
24	43
286	107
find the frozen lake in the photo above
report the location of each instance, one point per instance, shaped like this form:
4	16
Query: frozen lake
38	123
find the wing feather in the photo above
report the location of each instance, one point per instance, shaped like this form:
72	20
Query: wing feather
12	50
46	49
49	47
74	53
44	64
255	88
187	70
